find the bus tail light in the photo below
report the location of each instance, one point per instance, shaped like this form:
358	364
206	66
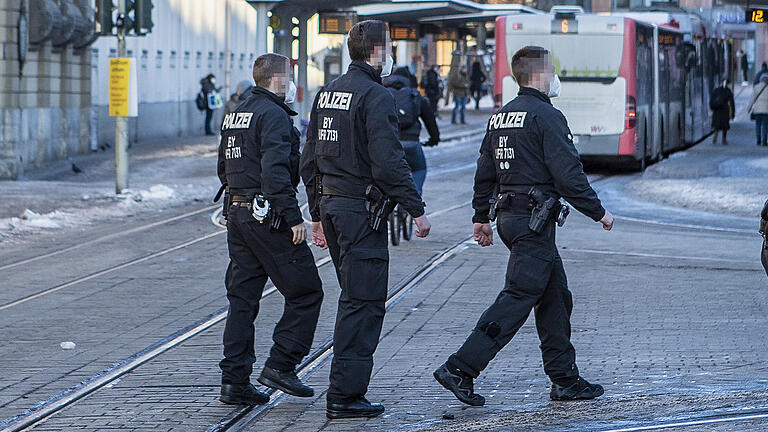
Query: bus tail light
630	115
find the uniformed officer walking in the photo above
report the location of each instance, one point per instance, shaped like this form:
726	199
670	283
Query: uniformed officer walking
259	162
353	160
529	159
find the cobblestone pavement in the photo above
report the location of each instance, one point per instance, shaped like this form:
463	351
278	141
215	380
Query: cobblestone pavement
669	319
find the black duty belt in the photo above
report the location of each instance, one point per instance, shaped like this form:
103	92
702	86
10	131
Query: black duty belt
242	200
327	191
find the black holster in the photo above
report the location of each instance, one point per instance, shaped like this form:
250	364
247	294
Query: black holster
227	199
544	209
380	207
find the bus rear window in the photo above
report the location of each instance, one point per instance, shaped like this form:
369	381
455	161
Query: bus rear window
574	55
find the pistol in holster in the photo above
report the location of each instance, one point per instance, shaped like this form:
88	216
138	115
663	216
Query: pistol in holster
225	207
379	207
546	209
494	202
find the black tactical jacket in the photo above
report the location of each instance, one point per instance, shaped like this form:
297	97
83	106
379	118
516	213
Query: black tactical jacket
352	141
527	143
260	150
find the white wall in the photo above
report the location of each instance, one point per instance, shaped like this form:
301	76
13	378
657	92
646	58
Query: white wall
188	41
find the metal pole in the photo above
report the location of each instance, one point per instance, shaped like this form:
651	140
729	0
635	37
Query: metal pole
121	123
227	47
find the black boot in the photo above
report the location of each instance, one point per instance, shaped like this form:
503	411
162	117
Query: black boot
358	408
460	384
579	390
242	394
285	381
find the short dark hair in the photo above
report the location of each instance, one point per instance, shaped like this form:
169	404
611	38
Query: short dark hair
524	61
266	66
364	36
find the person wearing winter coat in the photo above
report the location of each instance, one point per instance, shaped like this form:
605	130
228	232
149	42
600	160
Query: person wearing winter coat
242	91
208	85
758	109
459	84
723	110
477	78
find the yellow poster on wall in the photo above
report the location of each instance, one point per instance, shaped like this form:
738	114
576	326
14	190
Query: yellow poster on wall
123	91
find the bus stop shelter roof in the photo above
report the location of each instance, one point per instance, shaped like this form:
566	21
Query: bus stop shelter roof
457	11
313	5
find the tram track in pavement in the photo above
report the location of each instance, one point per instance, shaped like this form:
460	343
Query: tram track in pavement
103	379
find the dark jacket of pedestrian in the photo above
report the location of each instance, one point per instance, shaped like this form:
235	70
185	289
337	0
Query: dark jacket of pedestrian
400	81
763	70
431	84
477	77
723	108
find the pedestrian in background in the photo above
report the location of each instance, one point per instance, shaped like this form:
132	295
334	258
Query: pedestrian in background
758	110
477	78
208	86
412	106
432	87
763	70
723	110
459	84
744	63
242	91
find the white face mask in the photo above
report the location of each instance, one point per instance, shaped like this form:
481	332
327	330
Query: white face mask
213	80
290	94
386	70
554	86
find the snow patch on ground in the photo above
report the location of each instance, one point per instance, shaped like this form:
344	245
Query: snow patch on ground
120	206
740	196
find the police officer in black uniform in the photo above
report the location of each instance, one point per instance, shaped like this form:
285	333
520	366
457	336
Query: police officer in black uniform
259	162
527	146
352	145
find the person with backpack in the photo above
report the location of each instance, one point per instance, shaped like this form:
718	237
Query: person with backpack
207	86
412	106
758	110
723	110
432	85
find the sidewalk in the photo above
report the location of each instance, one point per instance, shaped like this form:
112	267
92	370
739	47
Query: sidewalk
164	173
729	179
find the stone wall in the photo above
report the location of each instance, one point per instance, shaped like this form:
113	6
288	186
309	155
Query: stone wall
45	107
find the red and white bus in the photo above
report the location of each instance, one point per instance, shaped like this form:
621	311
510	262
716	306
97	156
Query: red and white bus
623	81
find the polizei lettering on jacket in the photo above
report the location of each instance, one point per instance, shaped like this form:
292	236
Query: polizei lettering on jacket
237	120
334	100
507	120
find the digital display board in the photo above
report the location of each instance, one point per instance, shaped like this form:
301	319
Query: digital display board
447	35
756	15
404	32
565	25
336	22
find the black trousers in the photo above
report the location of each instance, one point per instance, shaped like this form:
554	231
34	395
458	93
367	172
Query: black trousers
208	118
535	279
361	258
257	253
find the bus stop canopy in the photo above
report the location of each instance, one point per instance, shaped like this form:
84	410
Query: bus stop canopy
433	11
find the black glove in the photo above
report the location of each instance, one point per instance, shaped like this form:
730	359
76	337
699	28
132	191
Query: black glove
431	143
